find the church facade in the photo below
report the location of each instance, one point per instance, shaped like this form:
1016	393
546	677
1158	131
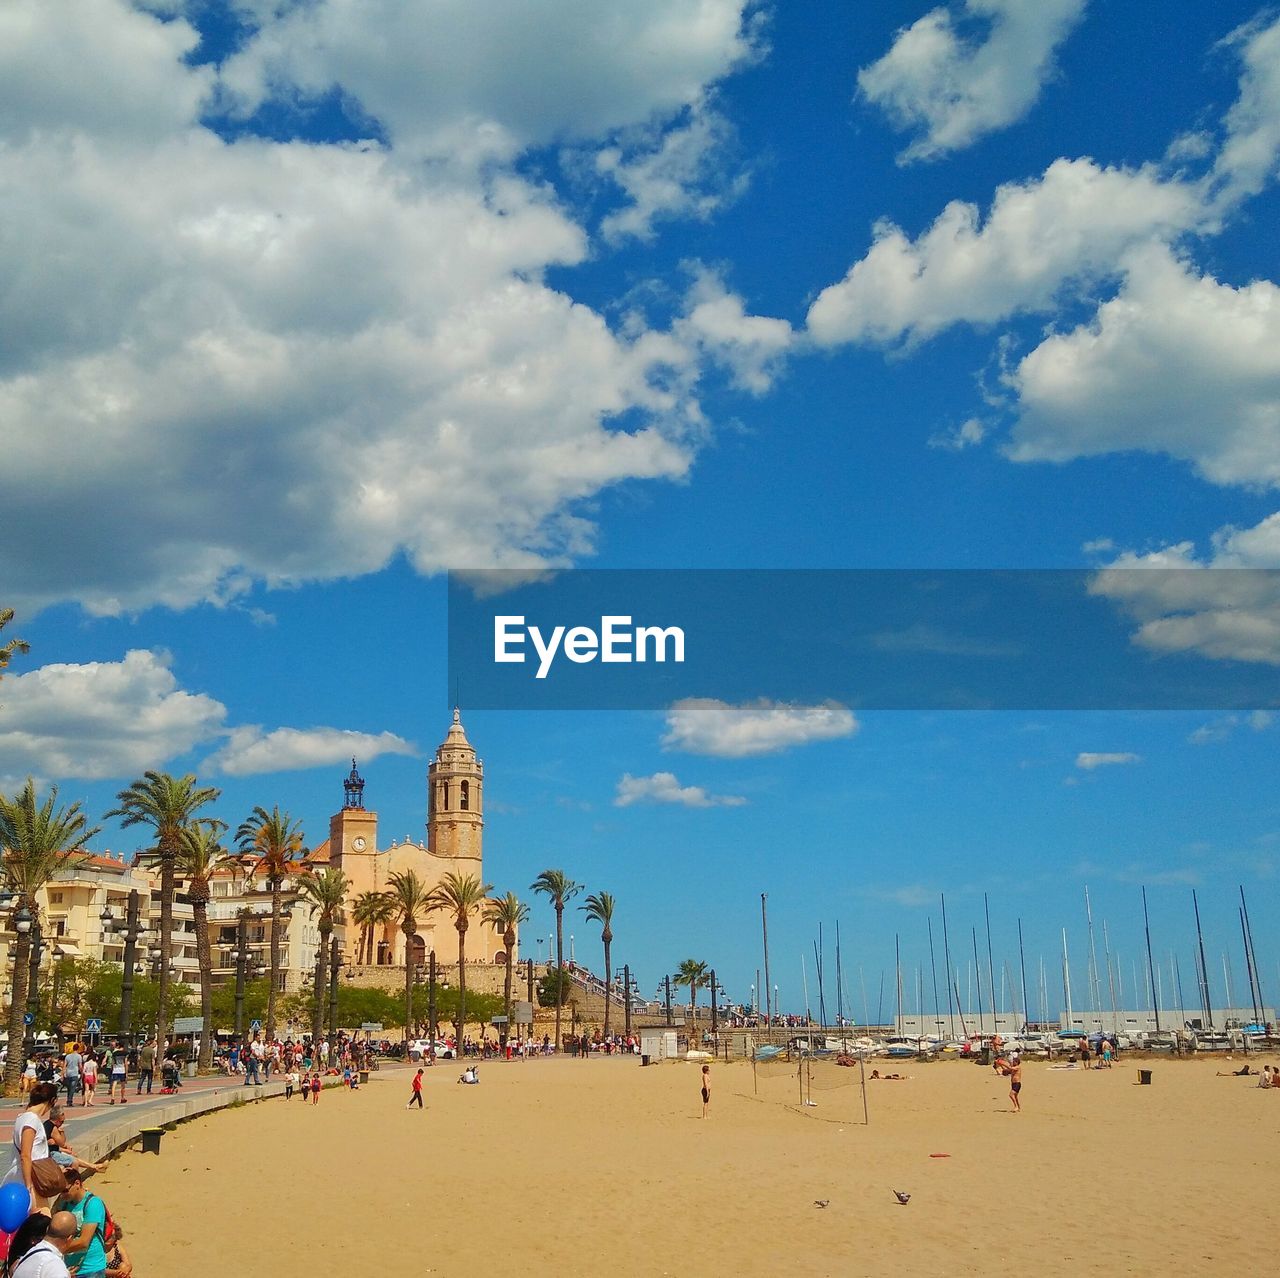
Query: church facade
454	844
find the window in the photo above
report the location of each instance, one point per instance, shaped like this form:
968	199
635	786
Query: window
55	898
444	795
465	801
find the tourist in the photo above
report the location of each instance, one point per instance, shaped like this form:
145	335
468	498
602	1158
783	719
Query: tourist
315	1089
706	1090
37	1248
1265	1078
72	1065
290	1082
88	1249
119	1262
29	1140
1013	1068
59	1150
119	1066
416	1096
146	1065
28	1080
89	1078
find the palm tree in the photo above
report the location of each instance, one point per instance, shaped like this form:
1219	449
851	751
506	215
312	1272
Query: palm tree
275	841
411	898
168	805
35	840
200	856
599	907
461	895
694	974
370	910
507	912
560	888
326	892
14	645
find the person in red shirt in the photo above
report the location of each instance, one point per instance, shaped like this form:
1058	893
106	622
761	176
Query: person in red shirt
416	1097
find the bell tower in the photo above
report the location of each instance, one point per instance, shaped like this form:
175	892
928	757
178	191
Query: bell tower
353	833
455	798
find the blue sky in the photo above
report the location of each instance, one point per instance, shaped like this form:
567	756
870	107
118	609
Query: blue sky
306	304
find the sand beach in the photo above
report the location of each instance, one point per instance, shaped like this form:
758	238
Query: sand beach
550	1166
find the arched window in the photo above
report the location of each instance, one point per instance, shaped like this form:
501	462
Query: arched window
444	796
465	801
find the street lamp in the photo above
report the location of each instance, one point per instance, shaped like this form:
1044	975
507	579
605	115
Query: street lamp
131	931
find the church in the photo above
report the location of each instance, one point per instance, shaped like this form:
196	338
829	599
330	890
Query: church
454	844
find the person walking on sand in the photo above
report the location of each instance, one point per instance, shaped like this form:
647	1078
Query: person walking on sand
706	1090
315	1089
416	1096
1013	1068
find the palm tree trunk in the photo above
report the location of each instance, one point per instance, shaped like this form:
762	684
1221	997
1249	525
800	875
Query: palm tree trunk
168	858
462	980
317	1010
509	941
408	981
608	981
204	953
17	1008
559	991
275	960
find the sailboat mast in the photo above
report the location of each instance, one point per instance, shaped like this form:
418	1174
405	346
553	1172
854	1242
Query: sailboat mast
946	959
764	928
1205	997
1151	967
1022	960
991	974
933	968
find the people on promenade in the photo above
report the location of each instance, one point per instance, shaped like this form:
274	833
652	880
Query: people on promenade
116	1062
29	1140
146	1065
89	1078
72	1065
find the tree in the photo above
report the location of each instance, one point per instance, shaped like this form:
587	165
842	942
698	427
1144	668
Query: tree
325	892
14	645
370	910
599	908
507	912
692	973
36	839
461	896
200	856
411	898
168	805
560	889
275	841
553	987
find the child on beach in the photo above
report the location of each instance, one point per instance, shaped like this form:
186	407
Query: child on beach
416	1096
290	1082
315	1089
706	1090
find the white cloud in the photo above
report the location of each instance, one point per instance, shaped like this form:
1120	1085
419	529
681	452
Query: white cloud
488	78
228	363
249	750
967	435
751	347
1088	761
957	90
1177	363
677	172
1247	160
701	725
102	718
1067	228
662	787
1223	728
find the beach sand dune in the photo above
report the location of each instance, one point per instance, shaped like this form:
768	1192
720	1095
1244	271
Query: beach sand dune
556	1166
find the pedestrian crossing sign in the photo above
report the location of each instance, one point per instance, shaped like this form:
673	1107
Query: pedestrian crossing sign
93	1025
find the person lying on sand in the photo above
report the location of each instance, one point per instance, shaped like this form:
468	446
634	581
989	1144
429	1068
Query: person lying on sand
1235	1073
886	1078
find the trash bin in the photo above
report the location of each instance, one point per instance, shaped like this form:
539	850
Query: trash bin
191	1068
364	1076
151	1139
1144	1077
644	1058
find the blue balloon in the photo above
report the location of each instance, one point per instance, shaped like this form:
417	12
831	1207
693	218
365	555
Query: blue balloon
15	1205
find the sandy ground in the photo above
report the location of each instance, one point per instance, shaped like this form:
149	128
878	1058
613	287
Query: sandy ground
566	1166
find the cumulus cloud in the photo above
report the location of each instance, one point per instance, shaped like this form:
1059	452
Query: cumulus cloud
662	787
955	90
1225	727
292	361
1067	228
702	725
102	718
1251	147
1176	363
751	348
250	750
678	172
1089	761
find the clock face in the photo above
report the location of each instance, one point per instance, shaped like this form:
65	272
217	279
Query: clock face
358	843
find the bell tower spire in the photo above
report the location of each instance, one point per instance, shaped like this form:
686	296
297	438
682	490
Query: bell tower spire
455	797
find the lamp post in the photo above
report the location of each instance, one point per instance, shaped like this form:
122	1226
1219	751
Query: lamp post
626	995
241	956
713	1002
431	1002
33	976
131	932
335	961
22	925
